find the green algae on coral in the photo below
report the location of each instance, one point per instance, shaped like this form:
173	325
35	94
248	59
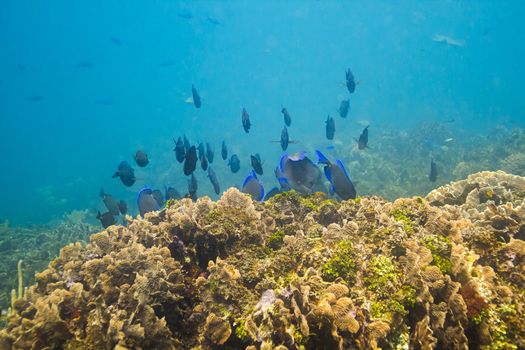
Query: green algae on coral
341	264
401	215
381	274
275	240
440	246
383	278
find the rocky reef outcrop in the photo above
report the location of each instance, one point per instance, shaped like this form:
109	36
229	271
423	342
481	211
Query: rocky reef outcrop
441	272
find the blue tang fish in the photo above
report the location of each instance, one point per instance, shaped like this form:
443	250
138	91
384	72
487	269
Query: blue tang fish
336	173
300	173
146	201
253	186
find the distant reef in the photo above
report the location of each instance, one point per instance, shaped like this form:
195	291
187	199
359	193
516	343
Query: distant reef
442	272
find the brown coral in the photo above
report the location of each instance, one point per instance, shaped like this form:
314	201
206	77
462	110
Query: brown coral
441	272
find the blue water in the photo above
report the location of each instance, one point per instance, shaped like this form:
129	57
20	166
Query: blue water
58	152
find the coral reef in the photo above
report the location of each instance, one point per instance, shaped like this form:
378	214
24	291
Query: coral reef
37	246
444	272
458	153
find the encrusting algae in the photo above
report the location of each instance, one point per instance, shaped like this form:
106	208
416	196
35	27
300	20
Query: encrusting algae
444	272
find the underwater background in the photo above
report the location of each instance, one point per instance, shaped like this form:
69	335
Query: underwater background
59	151
87	84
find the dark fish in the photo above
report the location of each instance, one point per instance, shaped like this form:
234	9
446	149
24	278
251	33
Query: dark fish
224	151
201	150
246	124
157	194
433	171
126	173
210	154
171	193
179	150
283	182
284	139
35	98
167	63
85	64
110	202
196	97
213	21
299	173
256	163
146	201
186	143
204	163
234	163
213	178
123	207
330	128
192	187
190	161
107	219
104	101
21	67
273	192
141	158
115	41
344	107
339	179
185	14
287	118
253	187
350	81
363	138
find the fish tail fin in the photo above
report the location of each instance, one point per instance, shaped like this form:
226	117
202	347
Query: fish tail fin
101	193
116	174
321	158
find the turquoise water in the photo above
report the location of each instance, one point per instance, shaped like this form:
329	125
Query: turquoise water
143	57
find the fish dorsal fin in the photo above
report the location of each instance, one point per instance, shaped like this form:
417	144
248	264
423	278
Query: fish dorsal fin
322	158
143	190
342	166
327	173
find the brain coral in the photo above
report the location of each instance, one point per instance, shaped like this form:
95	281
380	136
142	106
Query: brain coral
444	272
